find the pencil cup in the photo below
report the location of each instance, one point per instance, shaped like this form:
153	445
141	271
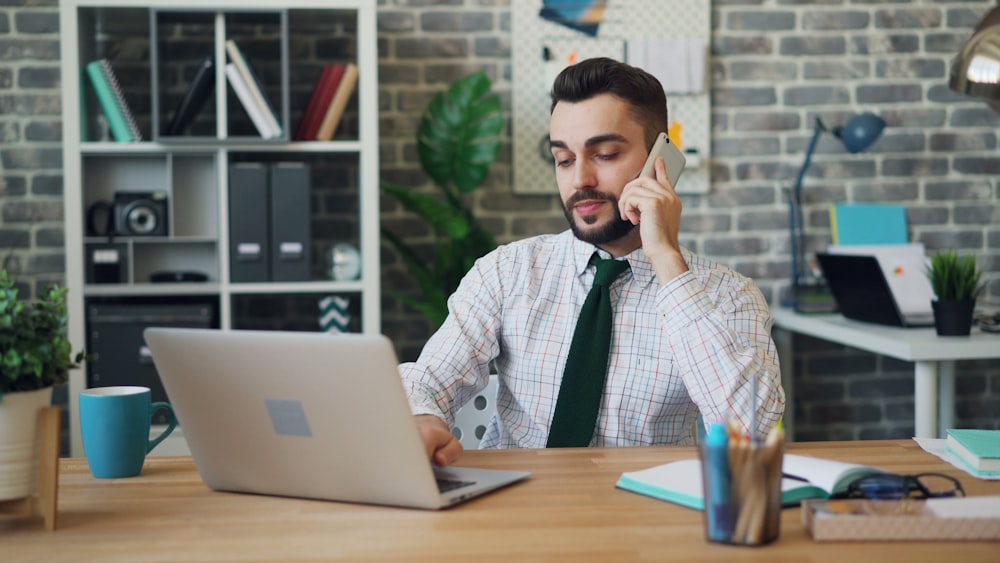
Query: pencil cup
741	483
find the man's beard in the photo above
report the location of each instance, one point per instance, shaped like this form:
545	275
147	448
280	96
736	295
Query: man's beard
614	230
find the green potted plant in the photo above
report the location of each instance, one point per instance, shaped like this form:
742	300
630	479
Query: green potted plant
35	355
957	282
457	141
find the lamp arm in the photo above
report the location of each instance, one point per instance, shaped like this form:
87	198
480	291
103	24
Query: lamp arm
795	219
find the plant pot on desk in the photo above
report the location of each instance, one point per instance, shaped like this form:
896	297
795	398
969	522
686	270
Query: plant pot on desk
953	317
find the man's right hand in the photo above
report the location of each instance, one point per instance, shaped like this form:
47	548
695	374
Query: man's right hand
442	446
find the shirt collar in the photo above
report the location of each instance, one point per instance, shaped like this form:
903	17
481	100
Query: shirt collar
639	265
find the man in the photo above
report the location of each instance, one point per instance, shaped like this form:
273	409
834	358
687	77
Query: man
689	336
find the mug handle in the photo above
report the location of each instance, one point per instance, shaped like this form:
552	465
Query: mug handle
170	426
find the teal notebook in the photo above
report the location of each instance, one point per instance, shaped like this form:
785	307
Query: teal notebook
861	223
109	95
978	449
806	477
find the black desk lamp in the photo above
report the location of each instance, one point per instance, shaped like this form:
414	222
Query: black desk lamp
857	135
976	68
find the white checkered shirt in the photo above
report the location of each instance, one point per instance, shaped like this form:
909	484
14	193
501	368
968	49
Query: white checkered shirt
691	346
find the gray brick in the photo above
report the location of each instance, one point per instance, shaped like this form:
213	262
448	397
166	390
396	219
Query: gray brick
908	18
13	185
978	116
815	45
979	190
50	238
942	94
826	70
40	264
763	70
10	132
695	222
977	165
911	68
38	77
815	95
11	237
31	158
952	238
741	246
4	23
762	20
491	47
947	43
833	21
743	196
886	192
891	93
962	142
29	50
464	21
45	184
976	214
36	104
964	17
741	97
762	220
742	46
43	131
891	142
6	77
915	167
770	121
899	411
846	413
927	215
758	170
31	211
432	48
884	44
881	387
913	117
36	22
746	146
394	22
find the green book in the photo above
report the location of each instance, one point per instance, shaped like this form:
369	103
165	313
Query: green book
978	449
805	477
109	94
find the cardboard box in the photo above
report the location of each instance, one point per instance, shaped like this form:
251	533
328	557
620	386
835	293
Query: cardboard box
945	519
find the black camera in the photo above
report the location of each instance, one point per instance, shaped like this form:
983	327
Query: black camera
140	214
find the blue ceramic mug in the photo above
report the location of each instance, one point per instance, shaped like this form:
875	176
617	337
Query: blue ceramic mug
114	423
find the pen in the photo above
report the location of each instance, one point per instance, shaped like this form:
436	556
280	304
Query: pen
718	493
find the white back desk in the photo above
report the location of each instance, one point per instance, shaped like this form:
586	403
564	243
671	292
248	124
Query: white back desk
933	356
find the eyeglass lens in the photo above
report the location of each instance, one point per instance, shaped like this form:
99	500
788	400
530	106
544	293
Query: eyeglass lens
889	486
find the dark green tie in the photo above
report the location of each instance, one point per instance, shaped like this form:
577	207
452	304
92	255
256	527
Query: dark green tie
586	367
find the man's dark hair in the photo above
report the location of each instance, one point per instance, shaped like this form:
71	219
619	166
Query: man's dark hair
641	90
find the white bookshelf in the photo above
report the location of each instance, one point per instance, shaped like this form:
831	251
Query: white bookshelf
194	170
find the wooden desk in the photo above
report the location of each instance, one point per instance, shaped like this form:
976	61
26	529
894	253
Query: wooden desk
569	510
933	359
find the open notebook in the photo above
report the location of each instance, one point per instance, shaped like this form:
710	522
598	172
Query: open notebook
806	477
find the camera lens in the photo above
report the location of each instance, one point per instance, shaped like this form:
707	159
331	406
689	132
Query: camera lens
140	219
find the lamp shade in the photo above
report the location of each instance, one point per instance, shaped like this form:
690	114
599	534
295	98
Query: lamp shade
860	131
975	70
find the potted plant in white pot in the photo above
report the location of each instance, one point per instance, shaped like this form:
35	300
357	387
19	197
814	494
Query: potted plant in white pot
35	355
957	282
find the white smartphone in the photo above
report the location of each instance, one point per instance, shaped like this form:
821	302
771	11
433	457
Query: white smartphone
672	157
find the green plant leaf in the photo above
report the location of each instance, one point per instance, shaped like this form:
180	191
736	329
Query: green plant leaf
441	215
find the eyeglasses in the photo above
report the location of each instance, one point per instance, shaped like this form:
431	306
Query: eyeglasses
889	486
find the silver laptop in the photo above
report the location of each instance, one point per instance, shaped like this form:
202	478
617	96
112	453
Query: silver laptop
309	415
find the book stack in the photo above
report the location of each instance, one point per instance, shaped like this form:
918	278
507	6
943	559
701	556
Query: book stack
250	93
978	449
326	106
121	120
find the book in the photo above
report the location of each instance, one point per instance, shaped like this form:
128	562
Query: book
339	102
197	94
243	93
254	87
979	449
805	477
121	121
862	223
322	94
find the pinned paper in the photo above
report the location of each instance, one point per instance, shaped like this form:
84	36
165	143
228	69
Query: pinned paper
679	64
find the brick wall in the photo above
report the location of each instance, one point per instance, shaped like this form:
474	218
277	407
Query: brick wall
775	66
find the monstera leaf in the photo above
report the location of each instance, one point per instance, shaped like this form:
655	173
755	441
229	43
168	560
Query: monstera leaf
457	141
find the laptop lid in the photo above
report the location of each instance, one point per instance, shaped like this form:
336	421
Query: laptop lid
862	292
904	268
310	415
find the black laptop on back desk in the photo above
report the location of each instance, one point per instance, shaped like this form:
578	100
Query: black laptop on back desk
862	292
